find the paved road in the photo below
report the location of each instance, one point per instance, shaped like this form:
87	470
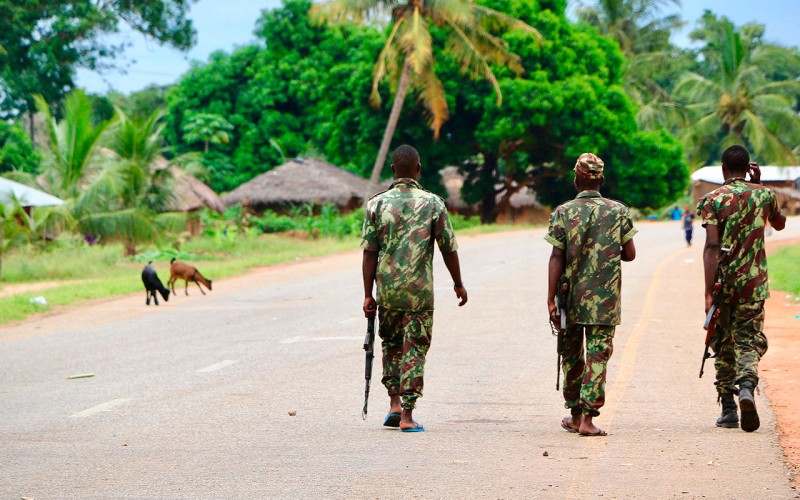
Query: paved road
192	399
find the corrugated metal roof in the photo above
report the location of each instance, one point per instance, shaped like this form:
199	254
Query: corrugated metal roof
768	174
27	196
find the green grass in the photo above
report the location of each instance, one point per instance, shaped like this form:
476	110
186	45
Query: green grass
782	269
104	272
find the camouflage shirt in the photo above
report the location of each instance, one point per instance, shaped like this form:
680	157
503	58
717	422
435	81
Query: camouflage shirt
591	230
401	225
741	210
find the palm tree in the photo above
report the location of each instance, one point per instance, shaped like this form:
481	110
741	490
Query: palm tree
738	103
206	127
636	25
72	143
642	33
408	54
113	195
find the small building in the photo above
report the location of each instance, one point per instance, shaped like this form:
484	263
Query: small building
522	207
300	181
785	181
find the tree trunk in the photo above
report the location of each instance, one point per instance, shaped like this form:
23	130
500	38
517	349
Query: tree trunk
32	128
391	125
206	148
130	248
488	213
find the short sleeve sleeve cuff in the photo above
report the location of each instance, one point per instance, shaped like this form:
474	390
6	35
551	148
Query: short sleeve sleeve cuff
561	246
629	235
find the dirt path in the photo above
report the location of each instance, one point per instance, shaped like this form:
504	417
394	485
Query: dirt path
20	288
781	373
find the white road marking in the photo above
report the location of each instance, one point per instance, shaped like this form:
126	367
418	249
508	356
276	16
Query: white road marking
295	340
218	366
100	408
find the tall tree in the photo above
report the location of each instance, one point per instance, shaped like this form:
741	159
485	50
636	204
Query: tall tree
110	195
45	41
736	101
408	55
642	31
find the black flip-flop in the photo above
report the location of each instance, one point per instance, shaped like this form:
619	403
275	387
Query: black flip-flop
568	428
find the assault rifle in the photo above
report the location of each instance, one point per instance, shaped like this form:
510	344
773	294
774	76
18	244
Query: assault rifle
710	325
562	295
369	342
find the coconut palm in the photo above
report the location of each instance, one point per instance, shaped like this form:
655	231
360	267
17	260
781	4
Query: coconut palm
642	33
112	195
637	25
738	103
408	58
72	144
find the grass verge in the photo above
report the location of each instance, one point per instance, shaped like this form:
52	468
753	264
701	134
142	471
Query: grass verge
104	272
783	273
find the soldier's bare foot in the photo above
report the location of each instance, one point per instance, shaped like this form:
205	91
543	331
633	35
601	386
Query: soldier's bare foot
407	420
395	405
571	423
587	428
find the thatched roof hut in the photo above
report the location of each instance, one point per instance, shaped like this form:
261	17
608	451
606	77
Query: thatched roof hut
300	181
192	194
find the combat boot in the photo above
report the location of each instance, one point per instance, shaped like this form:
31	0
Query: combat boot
730	417
747	406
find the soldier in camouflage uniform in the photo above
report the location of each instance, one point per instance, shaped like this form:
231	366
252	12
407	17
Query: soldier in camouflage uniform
590	235
400	228
734	216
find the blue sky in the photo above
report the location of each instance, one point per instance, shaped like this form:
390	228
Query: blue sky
224	24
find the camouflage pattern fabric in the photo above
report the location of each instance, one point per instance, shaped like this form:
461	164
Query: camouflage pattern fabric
401	224
585	377
591	230
741	210
739	345
405	339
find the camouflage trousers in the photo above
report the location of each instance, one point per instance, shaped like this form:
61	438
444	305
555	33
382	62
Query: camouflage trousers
585	375
405	339
738	345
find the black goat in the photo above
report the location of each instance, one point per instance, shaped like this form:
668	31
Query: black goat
152	284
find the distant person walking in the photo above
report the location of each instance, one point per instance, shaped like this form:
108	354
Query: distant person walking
590	235
734	217
688	225
400	227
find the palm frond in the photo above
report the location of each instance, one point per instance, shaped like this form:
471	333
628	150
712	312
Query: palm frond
386	64
431	94
472	59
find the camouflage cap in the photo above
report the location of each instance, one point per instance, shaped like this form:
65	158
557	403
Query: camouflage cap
589	166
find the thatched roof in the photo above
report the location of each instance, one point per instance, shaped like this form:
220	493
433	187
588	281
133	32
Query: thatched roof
193	194
299	181
190	193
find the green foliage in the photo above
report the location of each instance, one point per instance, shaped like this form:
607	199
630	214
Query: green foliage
735	98
569	101
17	151
207	128
783	269
45	41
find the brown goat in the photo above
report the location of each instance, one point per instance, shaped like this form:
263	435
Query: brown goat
181	270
